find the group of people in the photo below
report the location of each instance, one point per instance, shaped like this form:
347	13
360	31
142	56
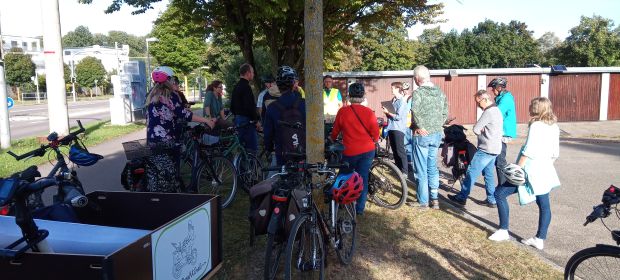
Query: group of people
415	128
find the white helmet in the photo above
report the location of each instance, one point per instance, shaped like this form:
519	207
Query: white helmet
406	86
514	174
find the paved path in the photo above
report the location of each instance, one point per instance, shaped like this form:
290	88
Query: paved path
589	162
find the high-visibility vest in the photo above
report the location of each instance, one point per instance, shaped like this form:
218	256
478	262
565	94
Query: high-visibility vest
409	106
330	103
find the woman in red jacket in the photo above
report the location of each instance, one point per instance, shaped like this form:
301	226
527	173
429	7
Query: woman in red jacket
360	132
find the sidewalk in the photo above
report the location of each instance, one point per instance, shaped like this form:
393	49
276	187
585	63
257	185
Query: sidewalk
589	162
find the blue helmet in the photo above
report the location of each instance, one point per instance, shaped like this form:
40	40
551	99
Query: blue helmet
82	157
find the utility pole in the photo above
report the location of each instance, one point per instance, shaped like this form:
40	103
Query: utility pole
56	94
313	73
5	128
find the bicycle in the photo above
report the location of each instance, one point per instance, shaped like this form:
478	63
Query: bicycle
601	261
70	190
209	173
305	249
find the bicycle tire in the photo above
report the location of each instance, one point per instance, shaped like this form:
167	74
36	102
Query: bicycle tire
297	260
600	262
385	180
272	261
249	170
345	233
217	176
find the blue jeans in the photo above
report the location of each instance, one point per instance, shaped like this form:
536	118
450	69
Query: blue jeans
247	135
544	209
481	163
361	164
409	152
425	160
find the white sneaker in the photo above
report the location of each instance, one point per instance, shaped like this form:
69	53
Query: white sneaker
500	235
534	242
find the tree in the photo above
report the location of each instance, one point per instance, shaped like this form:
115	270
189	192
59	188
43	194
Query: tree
137	44
594	42
89	70
278	25
381	50
548	41
80	37
425	43
178	46
18	68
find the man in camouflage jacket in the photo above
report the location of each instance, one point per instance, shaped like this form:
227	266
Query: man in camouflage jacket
429	114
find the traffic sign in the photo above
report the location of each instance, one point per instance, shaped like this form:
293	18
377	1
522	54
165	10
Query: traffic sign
10	102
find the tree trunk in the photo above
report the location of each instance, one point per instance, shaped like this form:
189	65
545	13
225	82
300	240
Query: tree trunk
313	72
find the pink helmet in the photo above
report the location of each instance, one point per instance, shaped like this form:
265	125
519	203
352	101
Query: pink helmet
161	74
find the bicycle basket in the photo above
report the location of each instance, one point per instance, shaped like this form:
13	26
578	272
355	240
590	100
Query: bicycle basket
136	149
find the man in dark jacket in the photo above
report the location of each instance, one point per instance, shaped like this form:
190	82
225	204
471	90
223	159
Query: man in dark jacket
243	106
285	80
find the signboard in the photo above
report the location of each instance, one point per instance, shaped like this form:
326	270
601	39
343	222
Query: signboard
10	102
177	251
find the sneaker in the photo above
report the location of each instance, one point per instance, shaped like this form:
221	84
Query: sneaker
534	242
500	235
435	204
489	204
459	202
417	205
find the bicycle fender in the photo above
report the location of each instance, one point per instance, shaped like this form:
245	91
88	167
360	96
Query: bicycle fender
275	223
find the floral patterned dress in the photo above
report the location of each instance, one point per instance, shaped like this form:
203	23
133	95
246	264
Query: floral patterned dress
163	131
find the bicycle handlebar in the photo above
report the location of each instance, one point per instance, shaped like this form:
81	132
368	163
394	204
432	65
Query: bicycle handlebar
611	196
39	152
305	166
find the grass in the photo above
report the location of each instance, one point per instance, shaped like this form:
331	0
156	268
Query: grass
397	244
95	133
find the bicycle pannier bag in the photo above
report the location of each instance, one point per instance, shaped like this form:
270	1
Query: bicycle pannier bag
260	206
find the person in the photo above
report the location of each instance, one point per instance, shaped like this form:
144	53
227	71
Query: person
506	104
213	106
489	131
360	132
536	158
430	111
176	88
332	99
397	126
409	132
164	112
273	129
299	89
268	82
243	106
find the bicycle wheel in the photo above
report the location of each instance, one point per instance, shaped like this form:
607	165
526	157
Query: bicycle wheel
185	171
273	252
249	170
345	233
600	262
305	251
217	176
386	184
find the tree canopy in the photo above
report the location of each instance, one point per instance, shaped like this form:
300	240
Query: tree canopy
19	67
82	37
88	70
384	48
594	42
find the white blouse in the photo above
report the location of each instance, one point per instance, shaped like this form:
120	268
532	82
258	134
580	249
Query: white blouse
542	148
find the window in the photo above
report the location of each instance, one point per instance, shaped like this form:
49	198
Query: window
34	46
13	44
24	46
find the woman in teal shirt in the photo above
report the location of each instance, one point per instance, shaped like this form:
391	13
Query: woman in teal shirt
213	106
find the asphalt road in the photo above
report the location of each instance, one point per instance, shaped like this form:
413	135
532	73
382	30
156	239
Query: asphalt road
32	120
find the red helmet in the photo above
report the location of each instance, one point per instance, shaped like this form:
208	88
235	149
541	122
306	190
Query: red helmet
347	188
161	74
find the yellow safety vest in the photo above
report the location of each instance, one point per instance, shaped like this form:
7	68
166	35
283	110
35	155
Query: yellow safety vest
330	103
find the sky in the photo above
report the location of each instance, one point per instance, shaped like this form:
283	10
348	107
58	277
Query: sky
23	17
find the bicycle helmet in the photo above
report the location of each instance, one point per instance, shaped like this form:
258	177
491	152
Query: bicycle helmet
356	90
406	86
286	77
498	82
514	174
347	188
161	74
82	157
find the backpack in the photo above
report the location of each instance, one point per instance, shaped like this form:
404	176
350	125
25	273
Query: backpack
292	139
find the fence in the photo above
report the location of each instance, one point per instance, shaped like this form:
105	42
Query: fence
578	94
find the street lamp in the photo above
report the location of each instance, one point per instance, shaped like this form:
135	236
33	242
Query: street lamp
148	60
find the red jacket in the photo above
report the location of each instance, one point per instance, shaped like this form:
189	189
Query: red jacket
355	136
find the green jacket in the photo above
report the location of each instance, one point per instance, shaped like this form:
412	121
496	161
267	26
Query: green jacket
506	104
430	108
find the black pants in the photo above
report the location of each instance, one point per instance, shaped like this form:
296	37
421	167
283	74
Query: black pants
500	162
397	143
